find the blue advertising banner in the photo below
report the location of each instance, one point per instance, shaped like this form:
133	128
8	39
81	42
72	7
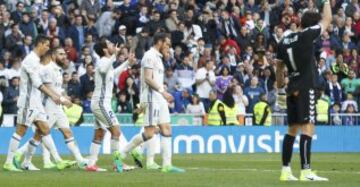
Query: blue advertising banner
199	139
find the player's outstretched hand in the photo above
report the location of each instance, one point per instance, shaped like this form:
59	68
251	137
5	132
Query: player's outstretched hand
169	98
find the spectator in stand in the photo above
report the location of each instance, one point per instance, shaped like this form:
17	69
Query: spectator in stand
11	96
15	69
87	102
252	93
182	98
206	56
26	47
14	39
196	108
87	81
90	28
27	26
73	89
340	68
223	81
124	105
155	24
351	83
349	101
326	42
141	43
68	66
261	30
277	36
87	59
54	31
106	22
172	21
346	42
229	26
184	72
132	72
335	111
244	39
205	80
334	90
132	91
16	15
349	119
43	22
70	50
90	7
170	80
143	16
120	38
76	32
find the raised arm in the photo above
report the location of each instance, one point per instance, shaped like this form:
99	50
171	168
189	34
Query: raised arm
327	15
106	63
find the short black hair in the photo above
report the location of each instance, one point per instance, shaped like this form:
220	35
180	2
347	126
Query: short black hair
13	25
160	36
100	46
41	39
90	64
309	19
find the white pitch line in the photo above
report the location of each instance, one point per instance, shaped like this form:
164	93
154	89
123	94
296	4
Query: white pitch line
265	170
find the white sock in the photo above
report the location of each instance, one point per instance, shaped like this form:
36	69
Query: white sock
46	154
150	150
50	145
13	145
23	148
114	144
31	148
166	150
70	142
136	141
286	168
94	152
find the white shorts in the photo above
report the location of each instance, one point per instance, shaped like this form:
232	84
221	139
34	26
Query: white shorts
28	116
58	120
156	114
104	116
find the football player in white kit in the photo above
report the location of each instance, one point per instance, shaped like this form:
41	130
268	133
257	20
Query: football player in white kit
155	100
105	118
31	111
52	75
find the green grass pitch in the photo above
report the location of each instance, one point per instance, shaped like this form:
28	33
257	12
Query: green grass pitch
202	170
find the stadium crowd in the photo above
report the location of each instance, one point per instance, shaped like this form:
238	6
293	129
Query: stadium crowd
221	49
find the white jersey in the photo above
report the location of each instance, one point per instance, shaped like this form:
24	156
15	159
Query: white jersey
51	74
153	60
104	79
30	94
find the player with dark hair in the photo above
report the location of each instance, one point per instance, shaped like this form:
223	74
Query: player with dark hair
31	110
296	52
105	118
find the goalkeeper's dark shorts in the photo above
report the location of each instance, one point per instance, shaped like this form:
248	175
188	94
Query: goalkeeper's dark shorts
301	107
